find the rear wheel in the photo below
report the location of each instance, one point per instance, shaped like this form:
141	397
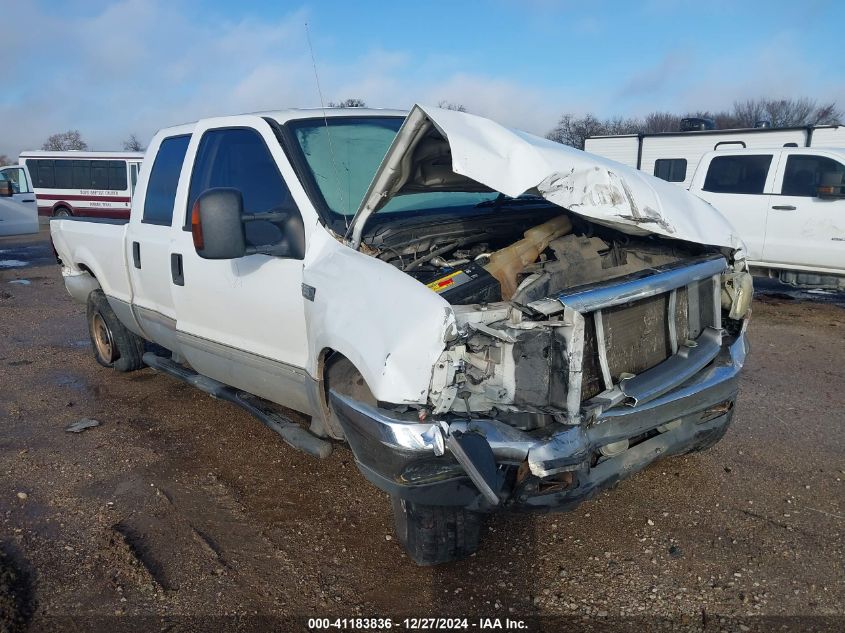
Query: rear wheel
436	534
62	212
113	345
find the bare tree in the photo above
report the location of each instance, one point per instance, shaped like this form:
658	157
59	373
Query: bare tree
792	112
64	141
828	114
132	144
572	130
348	103
448	105
5	160
661	122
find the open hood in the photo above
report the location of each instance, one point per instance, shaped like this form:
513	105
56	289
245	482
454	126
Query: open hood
437	149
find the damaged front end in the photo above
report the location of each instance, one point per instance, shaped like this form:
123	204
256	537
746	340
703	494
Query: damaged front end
604	338
543	400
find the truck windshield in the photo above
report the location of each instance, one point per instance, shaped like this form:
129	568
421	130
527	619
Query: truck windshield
343	155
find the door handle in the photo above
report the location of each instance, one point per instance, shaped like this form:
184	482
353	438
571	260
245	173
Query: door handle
176	271
784	207
136	254
29	200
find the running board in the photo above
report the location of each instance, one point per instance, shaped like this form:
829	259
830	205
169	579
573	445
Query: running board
290	431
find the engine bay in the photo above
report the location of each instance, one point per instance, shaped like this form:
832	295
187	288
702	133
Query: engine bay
521	259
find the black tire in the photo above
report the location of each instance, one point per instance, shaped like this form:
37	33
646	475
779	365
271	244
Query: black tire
62	212
436	534
711	438
113	345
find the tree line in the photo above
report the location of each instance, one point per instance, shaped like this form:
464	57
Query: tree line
572	129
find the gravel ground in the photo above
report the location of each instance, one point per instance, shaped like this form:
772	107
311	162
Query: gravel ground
178	505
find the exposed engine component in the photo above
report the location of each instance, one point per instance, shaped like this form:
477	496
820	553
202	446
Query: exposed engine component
507	263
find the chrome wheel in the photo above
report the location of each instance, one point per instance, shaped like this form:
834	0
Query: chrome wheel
101	335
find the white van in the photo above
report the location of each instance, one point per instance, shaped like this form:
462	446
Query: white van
787	204
18	208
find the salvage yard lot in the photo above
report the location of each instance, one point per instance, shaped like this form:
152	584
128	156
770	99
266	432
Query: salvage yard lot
180	504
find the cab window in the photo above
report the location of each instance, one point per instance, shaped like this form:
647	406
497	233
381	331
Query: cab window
164	178
17	176
804	173
239	158
738	174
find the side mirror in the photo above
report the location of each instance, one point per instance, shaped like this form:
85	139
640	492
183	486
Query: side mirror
217	226
831	186
6	190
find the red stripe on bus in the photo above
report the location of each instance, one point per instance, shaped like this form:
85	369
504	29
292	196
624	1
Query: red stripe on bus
50	196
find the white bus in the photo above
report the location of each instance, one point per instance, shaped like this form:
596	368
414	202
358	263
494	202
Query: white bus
94	184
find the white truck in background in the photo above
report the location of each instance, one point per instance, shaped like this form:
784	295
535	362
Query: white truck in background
787	204
782	189
18	207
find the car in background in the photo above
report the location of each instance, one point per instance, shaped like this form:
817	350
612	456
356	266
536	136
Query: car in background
18	207
92	184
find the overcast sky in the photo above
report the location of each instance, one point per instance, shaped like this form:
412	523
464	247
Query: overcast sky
111	69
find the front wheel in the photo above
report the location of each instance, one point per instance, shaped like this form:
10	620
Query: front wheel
113	345
62	212
436	534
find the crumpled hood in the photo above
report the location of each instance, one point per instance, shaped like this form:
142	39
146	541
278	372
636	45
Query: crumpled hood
485	155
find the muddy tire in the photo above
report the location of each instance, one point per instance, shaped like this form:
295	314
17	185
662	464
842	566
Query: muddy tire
436	534
113	345
62	212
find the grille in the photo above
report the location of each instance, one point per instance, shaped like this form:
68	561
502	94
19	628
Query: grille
636	336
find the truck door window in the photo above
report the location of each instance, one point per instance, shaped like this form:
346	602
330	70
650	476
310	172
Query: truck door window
804	174
738	174
17	177
239	158
671	169
164	177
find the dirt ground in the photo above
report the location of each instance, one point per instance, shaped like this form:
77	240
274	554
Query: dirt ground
179	505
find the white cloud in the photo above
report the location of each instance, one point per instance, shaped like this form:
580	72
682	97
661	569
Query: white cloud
135	66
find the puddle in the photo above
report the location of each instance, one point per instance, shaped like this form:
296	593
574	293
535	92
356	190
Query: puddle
12	263
21	282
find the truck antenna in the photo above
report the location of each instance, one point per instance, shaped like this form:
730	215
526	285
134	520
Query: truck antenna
326	121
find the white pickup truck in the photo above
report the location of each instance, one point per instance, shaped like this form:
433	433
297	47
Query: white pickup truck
489	319
18	208
787	204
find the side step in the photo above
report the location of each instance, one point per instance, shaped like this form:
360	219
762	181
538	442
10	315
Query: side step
290	432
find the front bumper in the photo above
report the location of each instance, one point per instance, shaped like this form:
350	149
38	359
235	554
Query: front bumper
553	468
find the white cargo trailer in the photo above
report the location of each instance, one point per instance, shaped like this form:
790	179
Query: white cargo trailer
674	156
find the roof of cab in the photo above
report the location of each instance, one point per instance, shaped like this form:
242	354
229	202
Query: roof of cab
293	114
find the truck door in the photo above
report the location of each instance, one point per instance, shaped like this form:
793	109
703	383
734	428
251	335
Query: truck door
738	185
805	230
18	209
148	238
243	321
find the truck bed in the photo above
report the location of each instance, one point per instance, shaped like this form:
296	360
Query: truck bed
94	246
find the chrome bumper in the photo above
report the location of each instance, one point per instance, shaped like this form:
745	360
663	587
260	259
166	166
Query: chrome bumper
413	459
